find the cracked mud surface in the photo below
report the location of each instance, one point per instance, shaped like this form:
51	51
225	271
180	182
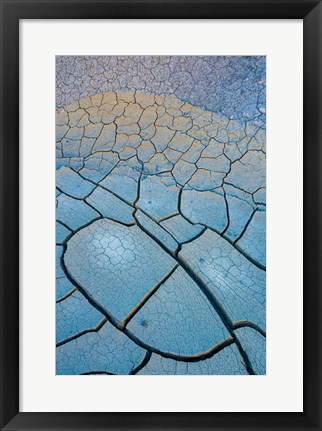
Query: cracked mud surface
160	215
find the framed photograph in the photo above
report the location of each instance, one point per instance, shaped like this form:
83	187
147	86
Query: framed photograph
160	215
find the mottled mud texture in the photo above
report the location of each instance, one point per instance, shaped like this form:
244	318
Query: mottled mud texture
160	215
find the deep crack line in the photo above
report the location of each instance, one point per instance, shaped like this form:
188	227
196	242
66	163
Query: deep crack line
145	299
144	362
76	126
184	358
96	373
211	298
248	323
85	331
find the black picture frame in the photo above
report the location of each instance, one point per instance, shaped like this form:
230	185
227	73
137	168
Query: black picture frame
11	12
